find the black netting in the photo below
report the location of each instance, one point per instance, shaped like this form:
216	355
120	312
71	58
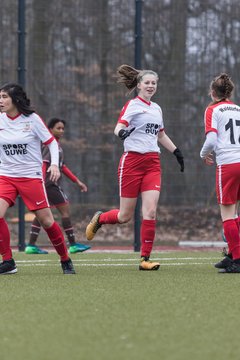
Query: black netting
73	48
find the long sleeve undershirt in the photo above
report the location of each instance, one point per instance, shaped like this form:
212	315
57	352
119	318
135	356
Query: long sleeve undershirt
53	148
209	144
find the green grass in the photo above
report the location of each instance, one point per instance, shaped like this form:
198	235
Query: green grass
110	310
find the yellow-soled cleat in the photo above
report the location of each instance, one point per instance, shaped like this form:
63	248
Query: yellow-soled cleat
93	226
146	264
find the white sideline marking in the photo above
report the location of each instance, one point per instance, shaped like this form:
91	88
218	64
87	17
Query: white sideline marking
167	264
121	262
202	244
31	261
112	260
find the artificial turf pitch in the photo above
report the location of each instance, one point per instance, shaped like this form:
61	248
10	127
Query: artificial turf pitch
111	310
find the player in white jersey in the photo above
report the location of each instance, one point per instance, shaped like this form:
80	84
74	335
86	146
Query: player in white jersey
222	128
21	134
140	126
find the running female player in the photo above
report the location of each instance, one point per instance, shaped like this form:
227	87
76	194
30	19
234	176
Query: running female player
222	128
21	134
140	126
56	195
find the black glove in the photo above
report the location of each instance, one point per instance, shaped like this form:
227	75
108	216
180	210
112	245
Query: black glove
180	158
123	134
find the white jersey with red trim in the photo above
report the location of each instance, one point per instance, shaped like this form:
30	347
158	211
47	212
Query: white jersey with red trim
20	145
147	119
224	119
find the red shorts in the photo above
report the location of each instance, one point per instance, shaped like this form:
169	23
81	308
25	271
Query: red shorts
228	183
138	172
32	191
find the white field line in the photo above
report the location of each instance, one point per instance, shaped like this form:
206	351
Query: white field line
113	260
166	264
33	261
119	265
121	262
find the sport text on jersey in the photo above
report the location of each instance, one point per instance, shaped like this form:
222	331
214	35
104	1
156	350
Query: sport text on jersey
152	128
15	149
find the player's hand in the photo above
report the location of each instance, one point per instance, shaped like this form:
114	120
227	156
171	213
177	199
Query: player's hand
123	133
209	160
54	173
180	158
82	186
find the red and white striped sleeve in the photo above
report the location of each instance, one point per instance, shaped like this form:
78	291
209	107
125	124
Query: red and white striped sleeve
209	120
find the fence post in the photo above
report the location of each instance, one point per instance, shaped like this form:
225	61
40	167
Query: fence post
21	81
137	64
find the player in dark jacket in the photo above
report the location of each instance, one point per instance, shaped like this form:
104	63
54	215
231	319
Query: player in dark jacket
56	196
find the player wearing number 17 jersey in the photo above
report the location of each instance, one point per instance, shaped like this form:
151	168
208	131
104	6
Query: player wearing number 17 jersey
223	118
222	128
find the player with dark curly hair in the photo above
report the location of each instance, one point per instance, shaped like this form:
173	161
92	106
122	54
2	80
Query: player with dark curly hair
56	196
21	133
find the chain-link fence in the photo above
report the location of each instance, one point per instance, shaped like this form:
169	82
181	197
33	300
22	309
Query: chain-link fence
73	48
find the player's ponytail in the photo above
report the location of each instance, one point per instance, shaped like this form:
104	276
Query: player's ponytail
128	76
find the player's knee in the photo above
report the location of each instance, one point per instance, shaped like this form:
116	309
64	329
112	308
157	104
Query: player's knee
150	214
46	222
